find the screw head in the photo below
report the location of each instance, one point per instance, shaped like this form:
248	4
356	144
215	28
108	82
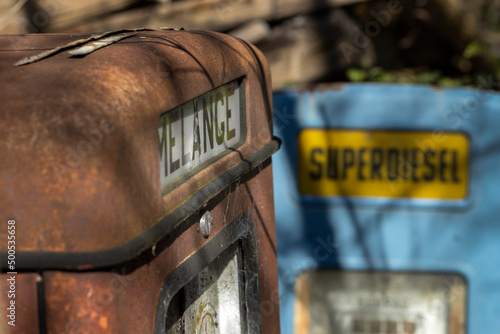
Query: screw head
206	222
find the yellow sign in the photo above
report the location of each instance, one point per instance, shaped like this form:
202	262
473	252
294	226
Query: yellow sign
396	164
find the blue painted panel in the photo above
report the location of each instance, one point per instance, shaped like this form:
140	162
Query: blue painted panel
393	234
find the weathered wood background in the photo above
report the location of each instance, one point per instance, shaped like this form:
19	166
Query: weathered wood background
304	40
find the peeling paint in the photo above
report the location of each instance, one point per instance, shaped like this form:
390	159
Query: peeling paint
91	47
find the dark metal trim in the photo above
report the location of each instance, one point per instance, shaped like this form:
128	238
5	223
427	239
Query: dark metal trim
241	231
42	320
108	258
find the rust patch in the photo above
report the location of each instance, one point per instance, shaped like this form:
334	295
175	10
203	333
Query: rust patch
26	304
108	105
90	125
85	267
457	300
302	301
125	33
45	54
128	301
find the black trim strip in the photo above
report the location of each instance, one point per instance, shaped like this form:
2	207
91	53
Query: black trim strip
241	231
108	258
42	320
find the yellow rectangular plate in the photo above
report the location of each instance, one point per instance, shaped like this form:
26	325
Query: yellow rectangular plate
394	164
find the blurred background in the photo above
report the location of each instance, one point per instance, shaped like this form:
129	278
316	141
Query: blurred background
441	42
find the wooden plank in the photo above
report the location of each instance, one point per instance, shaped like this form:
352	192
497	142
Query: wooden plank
310	49
219	15
252	32
12	17
51	15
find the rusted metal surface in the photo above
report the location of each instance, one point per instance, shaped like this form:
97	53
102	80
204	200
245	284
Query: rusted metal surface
48	53
97	302
83	159
92	43
81	138
457	300
302	301
26	304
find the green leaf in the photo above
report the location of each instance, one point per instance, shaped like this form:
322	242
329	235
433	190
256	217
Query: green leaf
356	74
428	77
450	82
473	49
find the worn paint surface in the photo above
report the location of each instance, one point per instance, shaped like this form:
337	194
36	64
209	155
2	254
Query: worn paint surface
128	302
89	126
100	43
376	303
81	138
26	304
394	226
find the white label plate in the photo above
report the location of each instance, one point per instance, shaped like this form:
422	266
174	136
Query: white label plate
379	303
199	132
212	302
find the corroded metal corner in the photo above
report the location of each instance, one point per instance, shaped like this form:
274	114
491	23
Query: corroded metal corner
80	138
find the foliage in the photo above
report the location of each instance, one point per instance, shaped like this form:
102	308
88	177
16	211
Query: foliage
415	76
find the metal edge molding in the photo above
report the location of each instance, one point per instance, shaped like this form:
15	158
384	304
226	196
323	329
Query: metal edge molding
101	259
